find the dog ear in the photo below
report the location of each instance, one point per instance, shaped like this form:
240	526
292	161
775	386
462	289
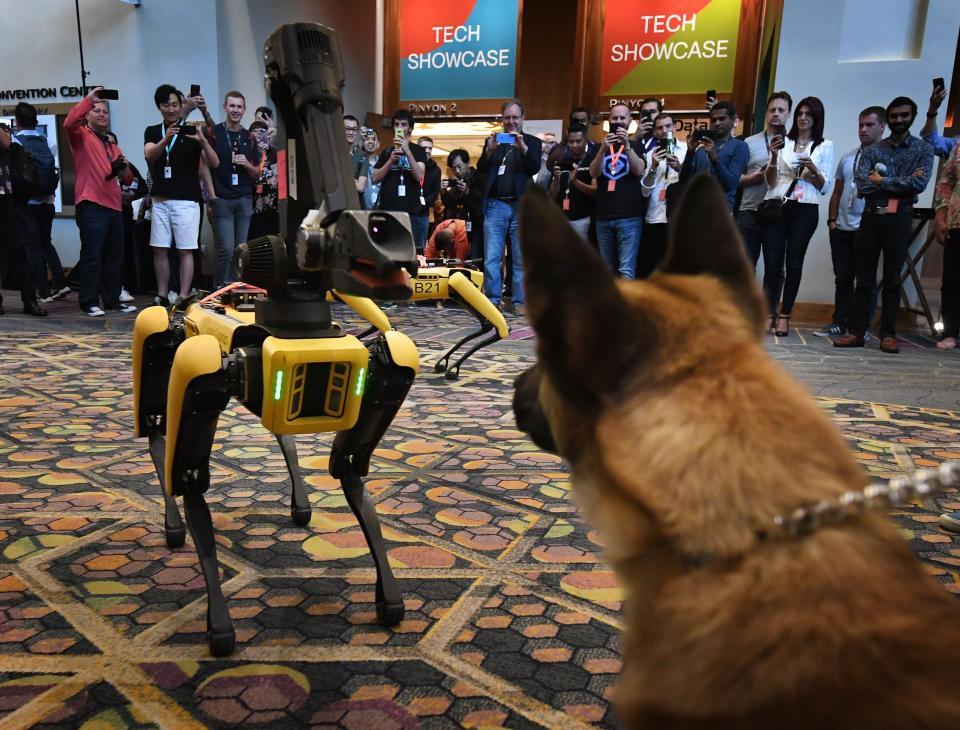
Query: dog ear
705	240
586	337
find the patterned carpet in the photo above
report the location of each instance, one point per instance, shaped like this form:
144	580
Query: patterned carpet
512	617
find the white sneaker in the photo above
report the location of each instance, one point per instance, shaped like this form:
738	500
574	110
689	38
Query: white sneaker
126	308
172	297
93	311
125	296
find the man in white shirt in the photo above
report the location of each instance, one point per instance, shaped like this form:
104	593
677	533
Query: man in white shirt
753	186
664	160
843	220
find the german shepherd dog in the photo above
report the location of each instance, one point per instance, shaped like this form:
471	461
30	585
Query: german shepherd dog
686	442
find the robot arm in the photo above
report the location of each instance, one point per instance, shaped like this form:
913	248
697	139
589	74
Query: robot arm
331	242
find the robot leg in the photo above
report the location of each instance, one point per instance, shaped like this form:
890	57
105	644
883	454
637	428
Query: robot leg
489	317
199	391
299	504
155	340
394	363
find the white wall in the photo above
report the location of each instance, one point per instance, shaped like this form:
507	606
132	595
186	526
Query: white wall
215	43
807	65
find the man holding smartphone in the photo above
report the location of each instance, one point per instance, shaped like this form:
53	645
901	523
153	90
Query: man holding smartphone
716	152
400	171
942	146
663	170
509	160
99	215
232	203
573	187
174	152
753	183
618	167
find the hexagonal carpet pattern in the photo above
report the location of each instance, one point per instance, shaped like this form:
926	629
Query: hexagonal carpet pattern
512	617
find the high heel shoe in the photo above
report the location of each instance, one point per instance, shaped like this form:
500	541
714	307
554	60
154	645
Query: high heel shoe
782	332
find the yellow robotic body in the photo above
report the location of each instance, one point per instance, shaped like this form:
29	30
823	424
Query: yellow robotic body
196	356
150	321
366	308
222	324
313	385
472	293
402	350
430	284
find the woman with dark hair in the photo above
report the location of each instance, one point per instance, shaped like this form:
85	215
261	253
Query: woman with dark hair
798	176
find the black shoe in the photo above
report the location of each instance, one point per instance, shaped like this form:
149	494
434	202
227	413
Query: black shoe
33	307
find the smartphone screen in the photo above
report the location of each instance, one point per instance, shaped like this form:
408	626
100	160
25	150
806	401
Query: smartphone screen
194	89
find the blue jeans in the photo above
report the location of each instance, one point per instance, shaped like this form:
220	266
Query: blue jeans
101	254
231	223
420	224
619	241
500	219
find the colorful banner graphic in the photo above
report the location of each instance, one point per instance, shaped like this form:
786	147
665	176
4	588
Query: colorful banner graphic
458	49
654	47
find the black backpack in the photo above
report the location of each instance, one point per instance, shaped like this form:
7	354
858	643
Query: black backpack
48	178
23	173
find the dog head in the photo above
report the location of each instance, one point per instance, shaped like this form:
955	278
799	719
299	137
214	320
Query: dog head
659	393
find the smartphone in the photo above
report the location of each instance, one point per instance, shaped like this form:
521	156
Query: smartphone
505	138
109	94
189	130
194	89
711	94
615	127
398	135
666	144
938	83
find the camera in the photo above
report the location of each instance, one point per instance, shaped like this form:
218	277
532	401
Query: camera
116	167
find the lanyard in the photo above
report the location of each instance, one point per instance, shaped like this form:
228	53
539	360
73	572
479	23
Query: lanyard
615	158
163	133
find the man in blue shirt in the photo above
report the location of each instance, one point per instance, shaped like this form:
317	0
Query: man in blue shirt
942	146
889	176
719	154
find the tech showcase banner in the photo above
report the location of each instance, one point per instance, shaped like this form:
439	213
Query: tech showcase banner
653	47
458	49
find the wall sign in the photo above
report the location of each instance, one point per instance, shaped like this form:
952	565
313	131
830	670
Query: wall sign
45	92
656	47
458	49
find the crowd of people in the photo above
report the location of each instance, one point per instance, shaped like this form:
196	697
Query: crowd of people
619	193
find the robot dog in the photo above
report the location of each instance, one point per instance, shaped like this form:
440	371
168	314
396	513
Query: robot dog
440	280
279	353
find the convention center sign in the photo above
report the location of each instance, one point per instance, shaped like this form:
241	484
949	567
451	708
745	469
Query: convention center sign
458	49
661	47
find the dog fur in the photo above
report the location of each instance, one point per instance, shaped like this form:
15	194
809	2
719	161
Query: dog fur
685	440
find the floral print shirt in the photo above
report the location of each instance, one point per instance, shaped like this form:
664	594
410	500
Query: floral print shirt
948	190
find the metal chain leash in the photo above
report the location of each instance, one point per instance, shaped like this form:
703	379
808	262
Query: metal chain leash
923	483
